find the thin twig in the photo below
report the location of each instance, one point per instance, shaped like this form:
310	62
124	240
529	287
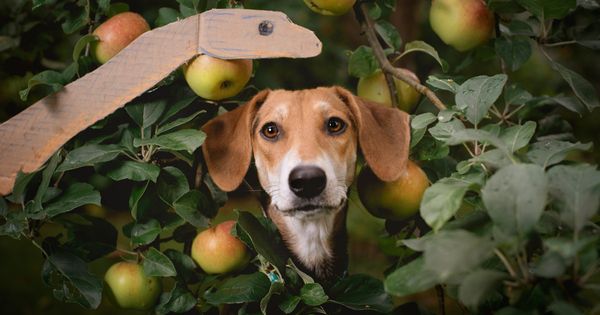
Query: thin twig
569	42
506	263
402	74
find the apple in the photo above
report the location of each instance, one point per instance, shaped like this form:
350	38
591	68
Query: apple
330	7
129	288
375	88
116	33
397	200
216	251
215	79
462	24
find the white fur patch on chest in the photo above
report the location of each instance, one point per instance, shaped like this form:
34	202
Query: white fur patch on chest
310	238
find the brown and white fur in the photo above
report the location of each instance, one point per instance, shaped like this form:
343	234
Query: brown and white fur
311	224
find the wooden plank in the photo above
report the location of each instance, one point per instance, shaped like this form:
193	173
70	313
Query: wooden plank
28	139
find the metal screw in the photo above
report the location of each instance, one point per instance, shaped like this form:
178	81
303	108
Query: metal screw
265	28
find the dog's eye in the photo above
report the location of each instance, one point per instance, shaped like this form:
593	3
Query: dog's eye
335	125
270	131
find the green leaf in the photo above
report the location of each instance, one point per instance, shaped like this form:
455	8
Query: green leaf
422	120
74	23
410	279
156	264
89	237
443	131
362	62
263	242
182	140
133	170
46	178
3	208
81	44
549	9
77	195
189	207
563	308
146	113
515	197
185	98
478	285
550	152
549	265
240	289
389	34
571	103
467	252
166	16
515	51
117	7
430	149
576	190
171	184
89	155
104	6
480	135
20	187
515	95
313	294
442	84
441	201
184	265
189	7
478	94
583	89
178	300
362	293
145	233
518	136
16	223
421	46
71	281
50	78
178	122
289	303
276	288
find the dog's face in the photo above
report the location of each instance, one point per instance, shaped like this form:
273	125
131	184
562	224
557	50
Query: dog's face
305	146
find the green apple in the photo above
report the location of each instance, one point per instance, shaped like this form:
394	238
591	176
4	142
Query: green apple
116	33
215	79
375	88
395	200
216	251
462	24
129	288
330	7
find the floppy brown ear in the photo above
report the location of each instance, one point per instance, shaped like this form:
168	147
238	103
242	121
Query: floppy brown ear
228	148
383	135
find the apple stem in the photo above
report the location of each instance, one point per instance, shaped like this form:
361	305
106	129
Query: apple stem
402	74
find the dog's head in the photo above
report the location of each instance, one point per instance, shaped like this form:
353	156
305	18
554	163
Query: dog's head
305	145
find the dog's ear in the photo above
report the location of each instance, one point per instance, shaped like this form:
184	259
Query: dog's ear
228	147
383	135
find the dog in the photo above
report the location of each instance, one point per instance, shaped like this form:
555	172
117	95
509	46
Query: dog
305	145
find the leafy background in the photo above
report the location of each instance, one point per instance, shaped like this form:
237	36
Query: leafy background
521	122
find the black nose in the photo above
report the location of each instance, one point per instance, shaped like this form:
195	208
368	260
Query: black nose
307	181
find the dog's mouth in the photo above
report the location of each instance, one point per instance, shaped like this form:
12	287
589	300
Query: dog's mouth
310	208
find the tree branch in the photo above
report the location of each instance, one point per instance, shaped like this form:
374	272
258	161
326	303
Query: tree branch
402	74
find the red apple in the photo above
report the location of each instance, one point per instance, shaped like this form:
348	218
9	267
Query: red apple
116	33
216	251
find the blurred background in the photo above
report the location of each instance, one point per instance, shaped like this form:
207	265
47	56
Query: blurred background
32	41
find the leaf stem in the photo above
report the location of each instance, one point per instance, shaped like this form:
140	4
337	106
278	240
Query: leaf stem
509	267
402	74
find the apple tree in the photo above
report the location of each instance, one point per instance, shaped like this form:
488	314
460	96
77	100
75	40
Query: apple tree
503	97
